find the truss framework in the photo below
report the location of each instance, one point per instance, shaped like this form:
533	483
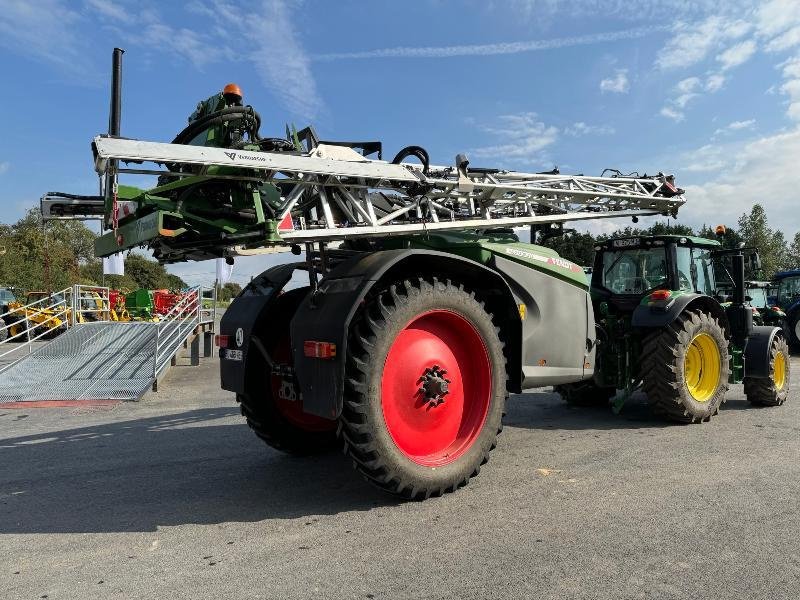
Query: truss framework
334	193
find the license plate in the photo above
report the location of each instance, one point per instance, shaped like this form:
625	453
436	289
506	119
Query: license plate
234	355
625	243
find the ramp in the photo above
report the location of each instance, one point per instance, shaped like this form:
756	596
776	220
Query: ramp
96	361
99	362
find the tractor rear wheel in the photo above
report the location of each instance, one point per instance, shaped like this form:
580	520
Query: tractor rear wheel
425	388
584	393
3	331
685	368
772	390
272	403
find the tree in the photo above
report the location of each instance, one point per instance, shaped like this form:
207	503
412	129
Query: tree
793	258
229	291
770	243
731	239
577	247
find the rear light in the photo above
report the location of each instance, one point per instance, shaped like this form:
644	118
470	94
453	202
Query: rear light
314	349
660	295
221	340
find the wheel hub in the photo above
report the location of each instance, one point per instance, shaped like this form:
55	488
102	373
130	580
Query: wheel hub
434	385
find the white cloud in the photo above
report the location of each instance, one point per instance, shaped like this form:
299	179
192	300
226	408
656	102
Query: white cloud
786	40
705	158
523	135
618	84
775	16
185	43
493	49
714	82
737	54
672	113
110	10
45	30
736	125
272	45
580	128
691	44
685	91
4	167
762	170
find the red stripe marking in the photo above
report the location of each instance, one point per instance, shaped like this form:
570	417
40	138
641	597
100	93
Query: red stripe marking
58	403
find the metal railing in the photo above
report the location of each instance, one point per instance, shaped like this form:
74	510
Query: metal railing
175	326
22	325
92	301
51	314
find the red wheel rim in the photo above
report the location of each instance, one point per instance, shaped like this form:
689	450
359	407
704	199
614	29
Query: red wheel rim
292	410
430	432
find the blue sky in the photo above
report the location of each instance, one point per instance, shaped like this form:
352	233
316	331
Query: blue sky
707	90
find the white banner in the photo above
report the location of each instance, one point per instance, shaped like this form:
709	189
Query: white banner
114	264
224	271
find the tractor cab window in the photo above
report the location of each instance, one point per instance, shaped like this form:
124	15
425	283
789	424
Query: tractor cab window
703	271
758	297
695	270
789	290
634	271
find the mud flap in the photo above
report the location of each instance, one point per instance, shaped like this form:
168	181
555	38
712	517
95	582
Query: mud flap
241	317
757	351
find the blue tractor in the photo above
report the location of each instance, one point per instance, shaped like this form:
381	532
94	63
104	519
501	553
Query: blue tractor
788	299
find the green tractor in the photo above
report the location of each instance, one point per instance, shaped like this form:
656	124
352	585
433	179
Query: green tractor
663	326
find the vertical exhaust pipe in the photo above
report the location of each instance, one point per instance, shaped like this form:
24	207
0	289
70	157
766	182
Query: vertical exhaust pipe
114	120
115	113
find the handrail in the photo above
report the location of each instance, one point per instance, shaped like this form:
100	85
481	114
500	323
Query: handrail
175	325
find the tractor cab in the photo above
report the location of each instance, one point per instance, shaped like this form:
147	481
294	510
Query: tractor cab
627	269
787	292
787	298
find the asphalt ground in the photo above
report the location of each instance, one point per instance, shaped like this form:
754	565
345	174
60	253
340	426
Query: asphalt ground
173	497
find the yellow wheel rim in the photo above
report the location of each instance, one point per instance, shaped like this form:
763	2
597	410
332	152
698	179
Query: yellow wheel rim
779	371
702	367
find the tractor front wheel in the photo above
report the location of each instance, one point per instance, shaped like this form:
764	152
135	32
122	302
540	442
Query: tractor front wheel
425	388
685	368
772	390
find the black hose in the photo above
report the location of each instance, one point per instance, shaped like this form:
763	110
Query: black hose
232	113
416	151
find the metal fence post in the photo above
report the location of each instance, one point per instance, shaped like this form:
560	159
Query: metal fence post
214	304
28	333
155	355
74	306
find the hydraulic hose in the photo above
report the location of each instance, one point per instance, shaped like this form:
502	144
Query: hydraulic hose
416	151
232	113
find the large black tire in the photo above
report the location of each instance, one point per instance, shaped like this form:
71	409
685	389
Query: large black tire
664	365
772	390
585	393
279	424
465	344
3	331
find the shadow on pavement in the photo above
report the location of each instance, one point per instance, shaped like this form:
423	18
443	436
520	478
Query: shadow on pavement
177	469
549	411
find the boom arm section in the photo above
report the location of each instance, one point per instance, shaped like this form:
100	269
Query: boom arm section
214	202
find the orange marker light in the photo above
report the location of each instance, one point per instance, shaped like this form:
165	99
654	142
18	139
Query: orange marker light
720	230
234	89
